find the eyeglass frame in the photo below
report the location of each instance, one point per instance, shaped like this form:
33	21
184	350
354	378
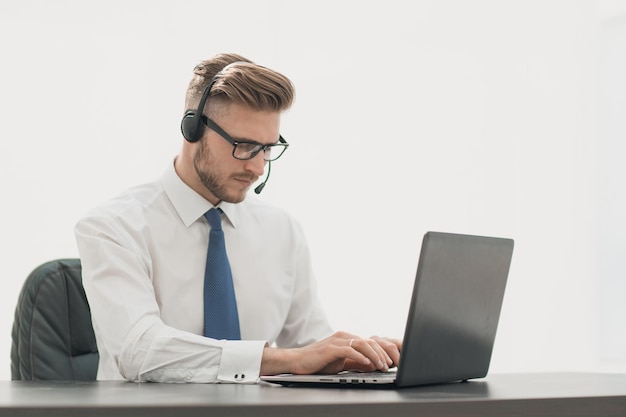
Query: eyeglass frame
217	129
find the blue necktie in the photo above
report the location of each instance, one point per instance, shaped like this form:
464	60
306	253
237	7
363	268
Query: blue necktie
221	320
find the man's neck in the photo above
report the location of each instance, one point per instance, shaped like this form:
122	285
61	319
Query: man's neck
188	175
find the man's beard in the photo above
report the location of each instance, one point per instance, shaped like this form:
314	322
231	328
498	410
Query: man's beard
210	178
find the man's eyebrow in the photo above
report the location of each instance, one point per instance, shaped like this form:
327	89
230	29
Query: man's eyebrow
246	140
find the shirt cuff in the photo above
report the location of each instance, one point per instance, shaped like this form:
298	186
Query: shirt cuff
241	361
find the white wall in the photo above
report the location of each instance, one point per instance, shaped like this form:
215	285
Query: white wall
612	191
475	117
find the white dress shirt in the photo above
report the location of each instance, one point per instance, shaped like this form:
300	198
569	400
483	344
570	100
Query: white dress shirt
143	256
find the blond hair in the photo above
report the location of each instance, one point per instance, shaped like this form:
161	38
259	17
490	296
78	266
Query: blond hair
239	80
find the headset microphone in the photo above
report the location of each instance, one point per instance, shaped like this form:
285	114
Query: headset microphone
260	187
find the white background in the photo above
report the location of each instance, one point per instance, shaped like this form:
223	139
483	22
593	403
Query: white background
500	118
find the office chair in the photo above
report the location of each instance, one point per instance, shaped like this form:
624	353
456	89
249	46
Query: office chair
52	335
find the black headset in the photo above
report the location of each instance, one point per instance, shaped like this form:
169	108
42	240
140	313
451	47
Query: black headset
191	125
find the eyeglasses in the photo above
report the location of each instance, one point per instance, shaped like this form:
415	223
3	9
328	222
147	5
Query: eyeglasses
247	149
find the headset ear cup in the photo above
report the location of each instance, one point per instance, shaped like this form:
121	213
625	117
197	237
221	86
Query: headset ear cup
189	127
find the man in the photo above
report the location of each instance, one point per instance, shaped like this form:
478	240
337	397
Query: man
144	254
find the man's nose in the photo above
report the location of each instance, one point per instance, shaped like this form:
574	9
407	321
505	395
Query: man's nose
256	165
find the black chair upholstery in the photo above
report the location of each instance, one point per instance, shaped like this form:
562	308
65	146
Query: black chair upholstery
52	337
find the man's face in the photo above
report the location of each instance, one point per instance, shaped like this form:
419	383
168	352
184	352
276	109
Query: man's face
224	177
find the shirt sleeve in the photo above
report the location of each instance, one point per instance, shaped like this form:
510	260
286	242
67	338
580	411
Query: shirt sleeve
307	321
125	314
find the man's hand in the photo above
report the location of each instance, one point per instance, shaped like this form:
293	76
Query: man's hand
339	352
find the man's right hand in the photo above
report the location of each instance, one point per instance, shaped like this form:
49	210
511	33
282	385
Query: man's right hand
339	352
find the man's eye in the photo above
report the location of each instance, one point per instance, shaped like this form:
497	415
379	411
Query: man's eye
248	147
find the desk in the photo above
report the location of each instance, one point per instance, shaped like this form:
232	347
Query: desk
497	395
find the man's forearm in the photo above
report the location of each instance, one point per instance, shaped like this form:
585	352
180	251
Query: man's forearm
277	361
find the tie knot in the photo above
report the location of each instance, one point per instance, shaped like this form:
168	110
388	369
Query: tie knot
214	217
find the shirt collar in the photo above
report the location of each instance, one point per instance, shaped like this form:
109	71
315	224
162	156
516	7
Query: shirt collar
190	205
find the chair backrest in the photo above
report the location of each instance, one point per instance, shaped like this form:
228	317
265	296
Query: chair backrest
52	337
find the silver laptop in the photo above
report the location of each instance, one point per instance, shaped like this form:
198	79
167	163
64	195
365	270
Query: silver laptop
453	317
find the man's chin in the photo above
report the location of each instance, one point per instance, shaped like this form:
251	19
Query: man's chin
236	197
236	200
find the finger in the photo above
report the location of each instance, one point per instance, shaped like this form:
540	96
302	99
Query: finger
369	349
382	354
391	346
351	353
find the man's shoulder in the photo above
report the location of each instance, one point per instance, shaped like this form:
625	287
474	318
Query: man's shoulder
260	208
129	203
267	214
